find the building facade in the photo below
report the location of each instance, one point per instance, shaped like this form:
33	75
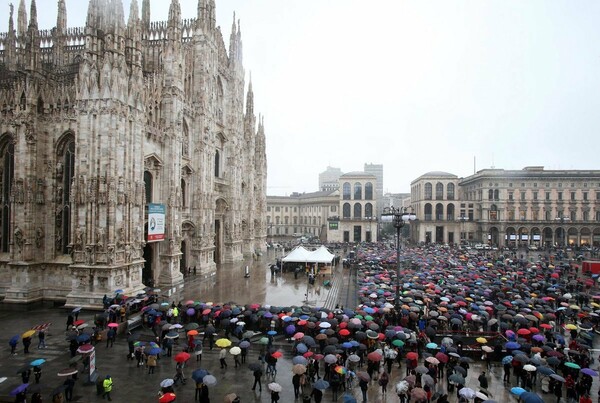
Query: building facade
330	179
101	120
528	207
301	214
357	221
377	171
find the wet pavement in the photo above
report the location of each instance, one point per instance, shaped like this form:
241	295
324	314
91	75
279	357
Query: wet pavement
132	384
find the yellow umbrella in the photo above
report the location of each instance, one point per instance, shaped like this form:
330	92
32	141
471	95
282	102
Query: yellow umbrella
28	333
575	307
223	343
595	305
481	340
571	326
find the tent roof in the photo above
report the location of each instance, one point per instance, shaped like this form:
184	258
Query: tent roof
298	254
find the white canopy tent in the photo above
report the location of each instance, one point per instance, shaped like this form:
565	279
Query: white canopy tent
301	255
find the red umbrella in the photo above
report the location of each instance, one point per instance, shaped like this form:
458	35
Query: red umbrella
374	356
113	324
534	330
308	354
319	356
167	397
78	322
182	357
441	357
524	332
546	326
412	355
206	311
277	354
344	332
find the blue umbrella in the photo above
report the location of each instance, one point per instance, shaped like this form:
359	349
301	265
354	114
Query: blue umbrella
37	362
83	338
301	348
287	319
198	374
14	339
545	370
271	332
321	384
299	360
347	344
530	397
154	351
517	391
507	360
244	344
291	329
119	291
21	388
512	345
349	398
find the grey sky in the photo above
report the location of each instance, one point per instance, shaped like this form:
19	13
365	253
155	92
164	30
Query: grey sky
414	85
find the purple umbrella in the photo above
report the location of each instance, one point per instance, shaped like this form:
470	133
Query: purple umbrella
291	329
21	388
589	371
538	337
191	311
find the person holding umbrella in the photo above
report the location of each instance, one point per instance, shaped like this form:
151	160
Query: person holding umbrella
26	343
257	377
364	387
13	345
69	385
37	373
222	356
202	393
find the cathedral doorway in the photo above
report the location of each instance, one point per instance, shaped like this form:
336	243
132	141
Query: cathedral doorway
147	272
218	246
183	261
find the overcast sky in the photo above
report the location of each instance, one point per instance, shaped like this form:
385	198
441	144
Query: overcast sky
415	85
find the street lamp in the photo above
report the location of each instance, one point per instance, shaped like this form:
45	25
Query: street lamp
399	217
562	220
462	220
371	219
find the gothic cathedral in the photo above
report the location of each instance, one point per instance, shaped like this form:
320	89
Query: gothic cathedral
98	122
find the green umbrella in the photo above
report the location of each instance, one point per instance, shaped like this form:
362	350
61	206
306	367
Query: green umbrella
264	340
572	365
398	343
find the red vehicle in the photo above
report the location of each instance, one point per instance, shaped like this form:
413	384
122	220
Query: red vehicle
590	266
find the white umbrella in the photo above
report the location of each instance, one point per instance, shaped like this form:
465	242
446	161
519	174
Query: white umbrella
235	350
402	386
324	325
275	387
166	383
209	380
467	393
529	368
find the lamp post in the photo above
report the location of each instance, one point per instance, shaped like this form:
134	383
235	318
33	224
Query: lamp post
399	217
562	220
462	220
371	219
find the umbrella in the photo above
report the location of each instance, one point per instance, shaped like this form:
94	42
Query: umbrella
572	365
353	358
375	356
545	370
37	362
460	370
275	387
199	374
530	397
27	334
75	310
507	360
418	394
517	391
235	351
223	343
299	360
277	354
86	348
112	324
166	383
467	393
412	355
330	359
402	387
230	397
182	357
457	379
255	366
154	351
298	369
244	344
167	397
421	369
21	388
67	372
529	368
321	384
589	371
363	376
557	377
209	380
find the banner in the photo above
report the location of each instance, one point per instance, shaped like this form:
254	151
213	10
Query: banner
92	362
156	222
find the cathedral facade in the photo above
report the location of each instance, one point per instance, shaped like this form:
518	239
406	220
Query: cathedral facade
98	122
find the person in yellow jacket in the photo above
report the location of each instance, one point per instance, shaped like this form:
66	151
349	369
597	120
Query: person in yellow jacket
176	315
107	384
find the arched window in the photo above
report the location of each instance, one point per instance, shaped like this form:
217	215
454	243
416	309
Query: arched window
368	191
346	210
428	212
491	194
66	157
439	211
148	186
439	191
183	194
496	194
346	191
428	191
450	191
368	210
7	153
357	191
450	212
357	210
217	164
